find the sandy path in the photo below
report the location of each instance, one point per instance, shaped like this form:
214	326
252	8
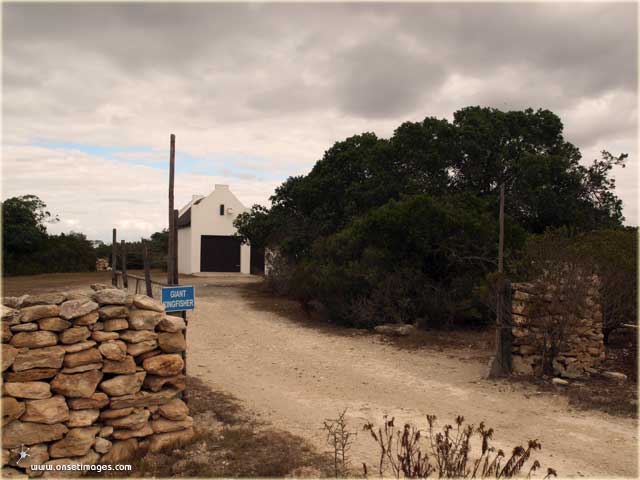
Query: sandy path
295	377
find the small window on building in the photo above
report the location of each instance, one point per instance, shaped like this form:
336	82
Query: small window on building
221	209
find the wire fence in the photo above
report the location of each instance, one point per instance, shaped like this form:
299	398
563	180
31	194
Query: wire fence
137	284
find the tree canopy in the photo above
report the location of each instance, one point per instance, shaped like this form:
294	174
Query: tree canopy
27	248
547	186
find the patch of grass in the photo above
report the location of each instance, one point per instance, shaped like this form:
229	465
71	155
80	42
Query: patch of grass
598	393
622	353
619	399
605	395
234	452
479	340
224	406
51	282
229	442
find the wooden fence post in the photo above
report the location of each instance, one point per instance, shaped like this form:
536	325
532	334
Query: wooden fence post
125	280
147	269
504	300
507	324
500	364
185	394
114	260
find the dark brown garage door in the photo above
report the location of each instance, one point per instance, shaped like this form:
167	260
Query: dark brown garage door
219	254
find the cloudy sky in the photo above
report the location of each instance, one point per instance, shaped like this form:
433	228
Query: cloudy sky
257	92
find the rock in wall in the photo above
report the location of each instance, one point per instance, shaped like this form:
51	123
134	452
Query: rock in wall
90	379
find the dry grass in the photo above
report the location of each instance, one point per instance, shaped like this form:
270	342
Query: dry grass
605	395
230	442
598	393
615	398
618	399
55	282
47	282
478	341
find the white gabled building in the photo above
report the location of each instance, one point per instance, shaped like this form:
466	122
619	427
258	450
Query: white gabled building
205	236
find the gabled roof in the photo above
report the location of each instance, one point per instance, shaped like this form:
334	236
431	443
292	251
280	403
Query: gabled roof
184	220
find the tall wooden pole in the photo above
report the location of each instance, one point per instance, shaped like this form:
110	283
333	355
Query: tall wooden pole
500	363
114	260
176	278
172	246
147	268
501	238
500	357
172	260
125	279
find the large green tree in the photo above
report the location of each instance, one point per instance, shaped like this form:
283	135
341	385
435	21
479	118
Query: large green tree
547	186
23	225
24	230
28	249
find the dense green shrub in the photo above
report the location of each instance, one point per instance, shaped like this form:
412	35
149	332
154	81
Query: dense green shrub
418	258
70	252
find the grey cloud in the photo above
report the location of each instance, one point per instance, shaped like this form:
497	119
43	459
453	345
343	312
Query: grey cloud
581	48
382	80
283	81
288	98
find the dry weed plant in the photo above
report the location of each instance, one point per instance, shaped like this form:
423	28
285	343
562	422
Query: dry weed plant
340	439
408	454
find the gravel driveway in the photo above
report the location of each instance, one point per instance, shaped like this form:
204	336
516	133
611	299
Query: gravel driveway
295	376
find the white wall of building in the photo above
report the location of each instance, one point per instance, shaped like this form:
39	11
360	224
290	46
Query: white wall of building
245	258
184	250
206	220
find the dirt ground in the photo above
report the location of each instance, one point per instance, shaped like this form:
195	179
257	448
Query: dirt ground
48	282
294	374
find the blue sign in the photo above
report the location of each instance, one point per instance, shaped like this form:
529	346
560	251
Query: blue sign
176	299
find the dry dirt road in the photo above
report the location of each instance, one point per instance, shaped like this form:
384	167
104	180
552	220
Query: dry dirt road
295	376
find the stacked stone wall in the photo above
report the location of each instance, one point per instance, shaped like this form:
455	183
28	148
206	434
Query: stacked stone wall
89	378
583	348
